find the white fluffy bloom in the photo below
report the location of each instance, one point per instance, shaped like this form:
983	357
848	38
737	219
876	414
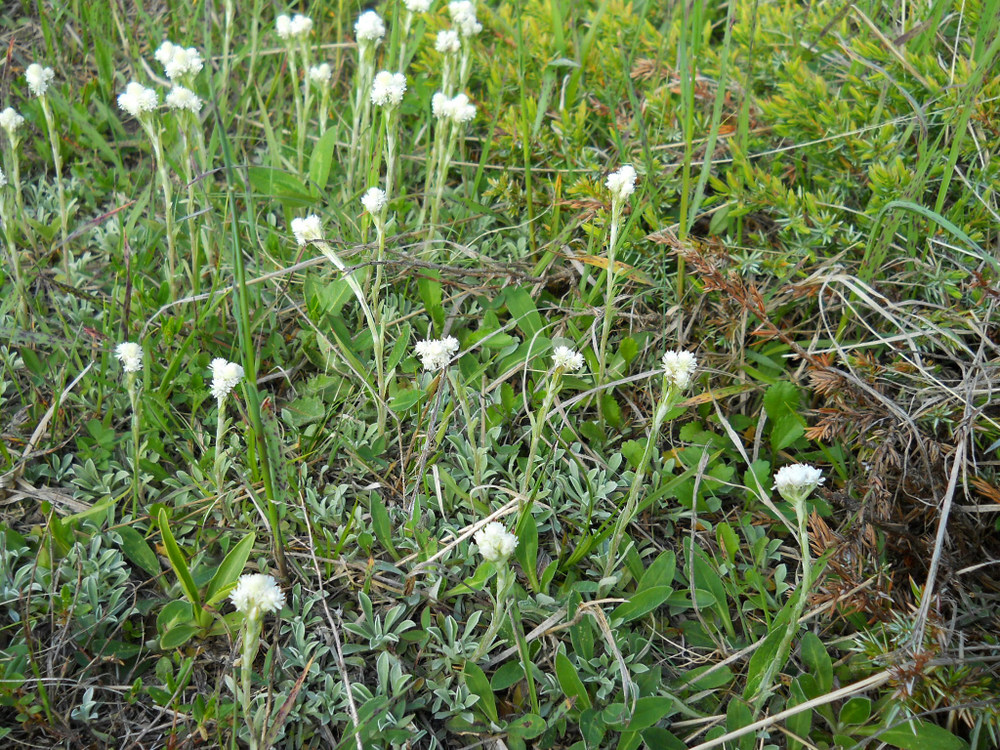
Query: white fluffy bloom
301	25
137	99
436	354
283	25
3	179
257	594
388	89
178	61
796	482
10	121
621	183
417	6
308	229
130	355
459	109
225	377
566	359
369	28
374	201
38	78
679	367
182	98
495	543
448	41
165	53
320	74
463	15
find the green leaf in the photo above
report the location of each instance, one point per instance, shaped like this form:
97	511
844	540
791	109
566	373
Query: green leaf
321	159
815	656
282	186
738	716
506	675
786	430
177	636
229	570
522	308
641	603
921	735
526	551
430	293
657	738
177	561
769	651
650	710
729	543
381	524
856	710
570	682
405	400
136	549
527	727
475	680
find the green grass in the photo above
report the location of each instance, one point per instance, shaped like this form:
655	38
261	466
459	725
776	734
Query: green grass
815	220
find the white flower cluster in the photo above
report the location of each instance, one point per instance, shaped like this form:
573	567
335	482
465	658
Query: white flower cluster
417	6
10	121
183	99
436	354
463	15
308	229
225	377
495	543
369	28
448	41
388	89
566	359
458	109
621	183
320	74
38	78
374	201
130	355
679	367
137	99
294	28
257	594
178	61
796	482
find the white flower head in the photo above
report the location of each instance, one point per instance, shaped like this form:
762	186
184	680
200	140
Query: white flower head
448	41
10	121
439	105
225	377
463	15
165	53
257	594
436	354
566	359
320	74
679	367
178	61
137	99
388	89
182	98
283	25
374	201
130	355
796	482
495	543
301	26
417	6
621	183
369	28
458	109
38	78
3	179
308	229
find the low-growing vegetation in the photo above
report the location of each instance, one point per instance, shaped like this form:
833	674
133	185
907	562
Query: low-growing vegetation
553	374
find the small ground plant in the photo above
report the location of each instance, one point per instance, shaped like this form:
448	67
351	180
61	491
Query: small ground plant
426	374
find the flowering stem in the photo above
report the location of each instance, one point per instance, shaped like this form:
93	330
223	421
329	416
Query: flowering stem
57	163
442	169
667	401
220	430
297	97
133	397
15	262
378	332
251	644
168	204
609	295
362	109
324	107
505	582
537	425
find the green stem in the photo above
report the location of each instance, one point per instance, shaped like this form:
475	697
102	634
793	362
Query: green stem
220	431
133	396
168	205
537	425
57	163
251	644
609	295
15	263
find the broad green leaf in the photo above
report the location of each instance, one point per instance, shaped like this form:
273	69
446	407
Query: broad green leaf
769	651
641	603
430	293
657	738
321	159
815	656
570	682
177	636
650	710
381	525
526	551
136	549
229	570
475	680
921	735
522	309
177	561
527	727
856	710
738	715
